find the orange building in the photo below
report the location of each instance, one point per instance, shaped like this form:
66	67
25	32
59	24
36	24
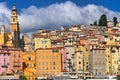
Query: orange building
16	60
29	65
48	61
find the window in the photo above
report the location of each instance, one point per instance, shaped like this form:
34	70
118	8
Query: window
30	65
29	58
13	19
14	55
79	62
4	54
19	55
53	63
55	50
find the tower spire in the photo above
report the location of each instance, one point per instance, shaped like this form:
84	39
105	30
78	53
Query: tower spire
14	7
14	20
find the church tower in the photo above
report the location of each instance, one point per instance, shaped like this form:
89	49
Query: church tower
3	29
2	34
14	27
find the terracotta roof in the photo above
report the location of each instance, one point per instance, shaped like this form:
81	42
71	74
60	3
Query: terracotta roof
58	48
36	35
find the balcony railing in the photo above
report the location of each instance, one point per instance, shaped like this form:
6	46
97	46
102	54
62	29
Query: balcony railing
4	66
16	65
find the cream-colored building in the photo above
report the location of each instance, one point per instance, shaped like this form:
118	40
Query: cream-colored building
41	41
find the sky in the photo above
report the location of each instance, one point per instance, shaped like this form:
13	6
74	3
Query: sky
52	14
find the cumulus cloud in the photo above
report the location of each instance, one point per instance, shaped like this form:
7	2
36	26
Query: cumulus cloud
56	15
4	15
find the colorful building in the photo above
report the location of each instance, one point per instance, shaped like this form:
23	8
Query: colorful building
11	60
29	65
41	41
48	61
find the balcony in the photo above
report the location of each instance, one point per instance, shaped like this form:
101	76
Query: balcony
4	66
16	65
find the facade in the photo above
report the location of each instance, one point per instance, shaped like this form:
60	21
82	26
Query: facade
70	54
4	61
11	61
48	61
41	41
29	65
98	62
26	43
16	60
79	63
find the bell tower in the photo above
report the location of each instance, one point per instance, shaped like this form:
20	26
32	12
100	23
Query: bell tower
14	27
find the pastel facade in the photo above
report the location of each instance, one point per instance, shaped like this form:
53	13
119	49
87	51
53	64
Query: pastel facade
79	63
97	60
48	61
41	41
16	60
70	53
4	61
10	61
113	59
29	65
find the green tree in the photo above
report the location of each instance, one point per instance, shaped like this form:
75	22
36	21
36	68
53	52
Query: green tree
95	23
115	20
103	20
22	77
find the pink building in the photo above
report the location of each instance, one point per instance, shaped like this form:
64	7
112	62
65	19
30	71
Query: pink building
4	61
63	52
10	60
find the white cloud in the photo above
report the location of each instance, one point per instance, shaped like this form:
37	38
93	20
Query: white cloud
55	15
4	15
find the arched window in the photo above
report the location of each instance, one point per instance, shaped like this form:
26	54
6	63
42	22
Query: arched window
29	58
13	19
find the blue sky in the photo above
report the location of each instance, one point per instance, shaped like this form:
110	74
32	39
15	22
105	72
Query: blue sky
52	14
110	4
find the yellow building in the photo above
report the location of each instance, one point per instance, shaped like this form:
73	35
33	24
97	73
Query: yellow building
29	65
48	61
112	59
83	62
41	41
11	38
